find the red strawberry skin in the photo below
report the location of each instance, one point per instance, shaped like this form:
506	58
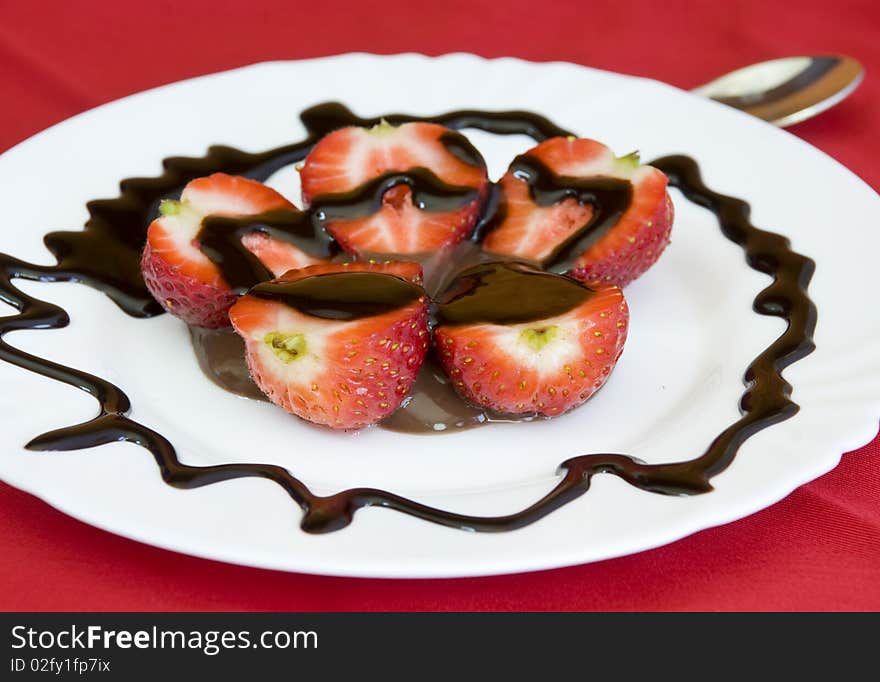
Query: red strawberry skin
618	257
546	367
626	252
341	374
190	299
180	277
347	158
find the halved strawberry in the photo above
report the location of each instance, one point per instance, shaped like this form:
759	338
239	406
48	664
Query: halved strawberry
566	235
517	340
435	205
176	271
336	344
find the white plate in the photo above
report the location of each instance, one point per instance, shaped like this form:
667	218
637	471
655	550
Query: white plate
677	385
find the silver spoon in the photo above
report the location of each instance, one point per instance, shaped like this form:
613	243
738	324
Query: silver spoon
787	91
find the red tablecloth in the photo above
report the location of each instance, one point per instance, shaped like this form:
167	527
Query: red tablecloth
817	549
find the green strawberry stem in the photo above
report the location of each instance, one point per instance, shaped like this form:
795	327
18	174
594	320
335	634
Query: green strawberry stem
630	160
382	127
170	207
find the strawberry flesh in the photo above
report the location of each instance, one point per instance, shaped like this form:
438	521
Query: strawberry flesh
339	344
179	273
600	240
409	164
518	341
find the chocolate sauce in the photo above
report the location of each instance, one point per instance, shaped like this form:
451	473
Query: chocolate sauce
508	293
461	148
609	197
342	295
220	353
433	406
219	238
105	255
429	193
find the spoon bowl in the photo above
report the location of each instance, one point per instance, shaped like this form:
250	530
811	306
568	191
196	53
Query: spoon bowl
789	90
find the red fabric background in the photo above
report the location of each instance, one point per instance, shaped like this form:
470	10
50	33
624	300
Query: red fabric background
819	549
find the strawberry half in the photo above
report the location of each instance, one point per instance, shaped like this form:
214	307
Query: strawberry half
336	344
517	340
177	272
406	189
542	222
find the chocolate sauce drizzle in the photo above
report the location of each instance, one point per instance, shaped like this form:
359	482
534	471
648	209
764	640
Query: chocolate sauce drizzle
106	253
508	293
342	295
219	237
609	197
